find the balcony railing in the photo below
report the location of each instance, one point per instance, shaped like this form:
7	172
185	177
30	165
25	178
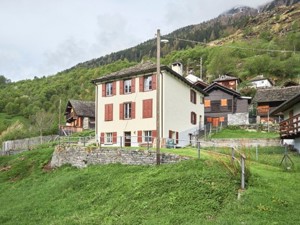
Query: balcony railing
290	128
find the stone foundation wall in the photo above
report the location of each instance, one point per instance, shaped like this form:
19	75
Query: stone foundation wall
247	142
82	156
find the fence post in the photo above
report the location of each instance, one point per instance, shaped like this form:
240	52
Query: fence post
198	145
256	152
121	142
243	172
232	155
84	141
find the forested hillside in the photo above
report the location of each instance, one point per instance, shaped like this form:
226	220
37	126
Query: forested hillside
244	44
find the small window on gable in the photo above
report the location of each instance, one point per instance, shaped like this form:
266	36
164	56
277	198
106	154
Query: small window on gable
147	83
127	86
223	102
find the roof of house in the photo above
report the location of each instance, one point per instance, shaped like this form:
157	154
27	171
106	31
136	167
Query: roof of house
82	108
275	94
287	104
222	87
143	68
226	78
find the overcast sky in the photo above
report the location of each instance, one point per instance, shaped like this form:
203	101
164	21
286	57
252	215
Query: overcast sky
43	37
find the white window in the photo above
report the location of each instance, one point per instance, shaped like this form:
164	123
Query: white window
127	110
109	89
108	138
127	86
148	136
147	83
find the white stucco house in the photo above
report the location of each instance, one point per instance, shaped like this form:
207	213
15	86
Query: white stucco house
125	106
290	126
261	82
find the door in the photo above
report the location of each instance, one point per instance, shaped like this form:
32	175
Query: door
215	122
127	139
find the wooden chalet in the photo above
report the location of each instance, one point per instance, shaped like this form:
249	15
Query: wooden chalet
80	115
290	126
228	81
268	99
225	106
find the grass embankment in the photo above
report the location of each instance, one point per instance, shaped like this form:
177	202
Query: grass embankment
190	192
241	133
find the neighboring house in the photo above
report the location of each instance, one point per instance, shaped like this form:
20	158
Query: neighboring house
126	106
261	82
290	126
80	115
268	99
228	81
196	81
225	106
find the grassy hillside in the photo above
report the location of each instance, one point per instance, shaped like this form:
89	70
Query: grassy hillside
191	192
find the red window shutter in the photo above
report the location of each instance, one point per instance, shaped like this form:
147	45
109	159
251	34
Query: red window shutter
114	137
153	82
170	133
121	111
140	136
177	137
132	85
121	87
141	84
154	133
108	112
103	90
147	108
102	138
132	110
114	86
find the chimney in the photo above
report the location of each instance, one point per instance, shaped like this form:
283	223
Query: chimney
177	67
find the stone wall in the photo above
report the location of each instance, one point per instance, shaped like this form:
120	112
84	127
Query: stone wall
242	142
82	156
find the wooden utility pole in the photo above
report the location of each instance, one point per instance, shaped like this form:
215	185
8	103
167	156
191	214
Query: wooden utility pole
158	98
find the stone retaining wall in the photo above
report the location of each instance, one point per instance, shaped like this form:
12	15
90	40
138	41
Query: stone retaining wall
243	142
82	156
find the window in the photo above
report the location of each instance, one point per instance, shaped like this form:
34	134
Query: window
147	108
127	86
127	110
193	96
147	83
108	112
201	99
206	103
147	136
193	118
223	102
108	138
109	89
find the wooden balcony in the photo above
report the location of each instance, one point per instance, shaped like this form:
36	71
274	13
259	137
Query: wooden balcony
67	130
71	117
290	128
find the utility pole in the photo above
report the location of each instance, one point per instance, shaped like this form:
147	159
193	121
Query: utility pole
158	98
201	69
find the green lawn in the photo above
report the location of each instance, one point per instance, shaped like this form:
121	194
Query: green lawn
241	133
190	192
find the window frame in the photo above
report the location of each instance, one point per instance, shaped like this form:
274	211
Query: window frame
148	83
127	113
147	136
127	85
109	89
109	138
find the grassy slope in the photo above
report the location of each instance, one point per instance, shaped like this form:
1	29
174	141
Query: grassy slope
191	192
241	133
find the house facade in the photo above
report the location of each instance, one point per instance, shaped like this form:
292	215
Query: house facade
261	82
224	106
80	115
290	126
228	81
126	107
267	99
